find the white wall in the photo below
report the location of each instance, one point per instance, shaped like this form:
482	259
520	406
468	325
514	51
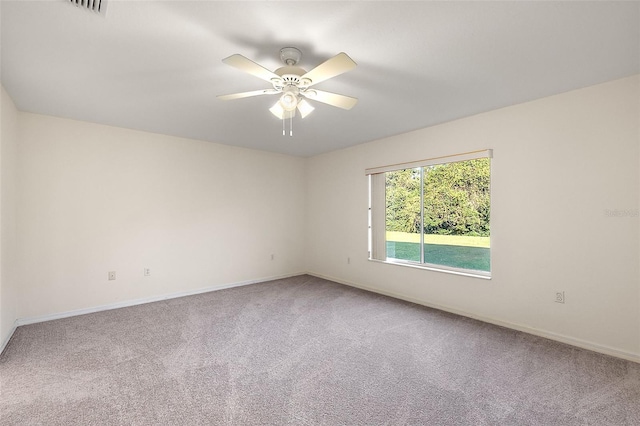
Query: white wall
8	159
559	164
94	199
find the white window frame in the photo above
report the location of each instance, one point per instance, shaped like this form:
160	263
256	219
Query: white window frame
377	213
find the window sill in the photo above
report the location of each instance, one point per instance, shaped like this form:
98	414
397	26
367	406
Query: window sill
436	268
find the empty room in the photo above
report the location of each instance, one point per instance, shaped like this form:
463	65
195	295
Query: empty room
319	213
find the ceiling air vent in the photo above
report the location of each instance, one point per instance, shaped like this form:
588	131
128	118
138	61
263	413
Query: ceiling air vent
96	6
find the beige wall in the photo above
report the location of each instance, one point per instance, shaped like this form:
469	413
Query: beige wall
8	160
94	199
559	164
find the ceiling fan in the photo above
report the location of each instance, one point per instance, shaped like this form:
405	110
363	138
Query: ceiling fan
293	83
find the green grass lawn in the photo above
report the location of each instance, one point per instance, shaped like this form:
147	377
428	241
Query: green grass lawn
450	240
476	257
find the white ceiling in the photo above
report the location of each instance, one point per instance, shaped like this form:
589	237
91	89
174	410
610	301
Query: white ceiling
156	65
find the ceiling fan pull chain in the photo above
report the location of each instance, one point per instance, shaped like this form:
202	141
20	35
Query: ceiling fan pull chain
283	119
291	125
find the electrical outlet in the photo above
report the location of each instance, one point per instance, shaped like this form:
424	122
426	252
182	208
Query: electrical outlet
112	275
147	272
559	296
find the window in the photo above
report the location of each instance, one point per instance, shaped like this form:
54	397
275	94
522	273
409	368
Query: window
433	213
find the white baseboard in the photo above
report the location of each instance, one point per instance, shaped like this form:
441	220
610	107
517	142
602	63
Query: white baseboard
629	356
5	342
127	303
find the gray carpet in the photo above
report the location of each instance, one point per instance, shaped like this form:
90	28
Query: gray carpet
303	351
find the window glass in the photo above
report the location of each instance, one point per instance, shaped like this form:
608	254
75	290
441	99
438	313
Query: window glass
403	220
456	213
440	215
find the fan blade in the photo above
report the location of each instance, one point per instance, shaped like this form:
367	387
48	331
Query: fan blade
340	101
332	67
247	94
248	66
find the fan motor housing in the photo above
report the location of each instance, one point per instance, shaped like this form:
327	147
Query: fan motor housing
296	71
289	76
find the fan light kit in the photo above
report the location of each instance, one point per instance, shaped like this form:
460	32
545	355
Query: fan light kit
293	83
